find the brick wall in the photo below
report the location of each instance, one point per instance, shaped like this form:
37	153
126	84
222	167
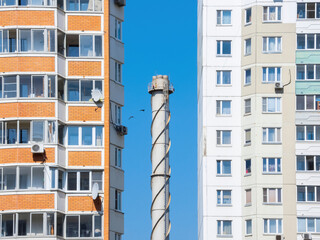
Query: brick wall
24	155
25	109
84	203
84	114
27	64
84	23
26	201
84	158
27	18
84	68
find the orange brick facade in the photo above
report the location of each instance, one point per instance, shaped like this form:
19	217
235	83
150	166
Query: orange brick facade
83	203
84	114
24	155
26	18
25	109
84	158
26	201
84	68
27	64
84	23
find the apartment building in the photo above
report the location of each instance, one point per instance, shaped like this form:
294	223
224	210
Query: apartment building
61	137
258	111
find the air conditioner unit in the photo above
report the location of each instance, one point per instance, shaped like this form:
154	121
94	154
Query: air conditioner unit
307	236
278	237
278	85
121	130
120	3
37	148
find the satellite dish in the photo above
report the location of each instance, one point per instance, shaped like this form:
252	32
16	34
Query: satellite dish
95	190
96	95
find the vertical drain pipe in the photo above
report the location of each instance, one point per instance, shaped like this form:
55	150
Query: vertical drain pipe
160	89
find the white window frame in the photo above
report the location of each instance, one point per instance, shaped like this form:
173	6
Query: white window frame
316	197
118	200
247	106
277	74
306	222
221	13
306	72
117	114
118	72
221	167
220	138
80	81
266	14
316	158
316	137
247	136
265	45
265	104
118	157
247	203
220	43
278	231
45	44
305	35
246	71
78	189
118	29
247	232
220	78
245	16
220	230
306	10
220	109
94	130
220	197
316	104
267	166
278	196
247	48
277	134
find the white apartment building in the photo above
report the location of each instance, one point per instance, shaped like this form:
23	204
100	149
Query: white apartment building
258	119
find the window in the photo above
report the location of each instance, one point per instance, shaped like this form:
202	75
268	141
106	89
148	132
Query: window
224	228
272	226
247	106
36	40
84	136
247	166
308	193
117	202
247	136
248	14
117	236
8	87
308	133
223	17
223	107
271	165
8	223
308	225
308	10
308	102
83	5
83	226
118	33
308	163
272	45
271	135
247	76
272	195
80	181
224	197
247	46
271	104
84	45
97	178
223	137
272	13
223	77
308	72
248	227
118	72
223	48
27	3
118	157
80	90
223	167
308	41
248	197
117	114
271	74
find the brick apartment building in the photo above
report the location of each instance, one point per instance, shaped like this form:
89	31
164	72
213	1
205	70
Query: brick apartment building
61	137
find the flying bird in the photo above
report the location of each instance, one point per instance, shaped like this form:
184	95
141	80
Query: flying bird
131	117
142	110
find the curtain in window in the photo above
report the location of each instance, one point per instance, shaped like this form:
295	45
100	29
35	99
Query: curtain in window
272	44
271	135
302	225
227	228
271	104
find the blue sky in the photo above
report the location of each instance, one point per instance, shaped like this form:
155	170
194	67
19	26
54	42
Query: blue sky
160	38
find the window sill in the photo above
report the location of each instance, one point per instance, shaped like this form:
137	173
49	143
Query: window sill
247	175
83	12
247	84
271	234
309	203
248	24
270	82
247	144
223	175
224	236
247	54
271	21
223	115
223	85
271	112
248	205
272	143
271	52
224	205
272	204
248	235
223	25
271	173
224	55
223	145
247	114
83	57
